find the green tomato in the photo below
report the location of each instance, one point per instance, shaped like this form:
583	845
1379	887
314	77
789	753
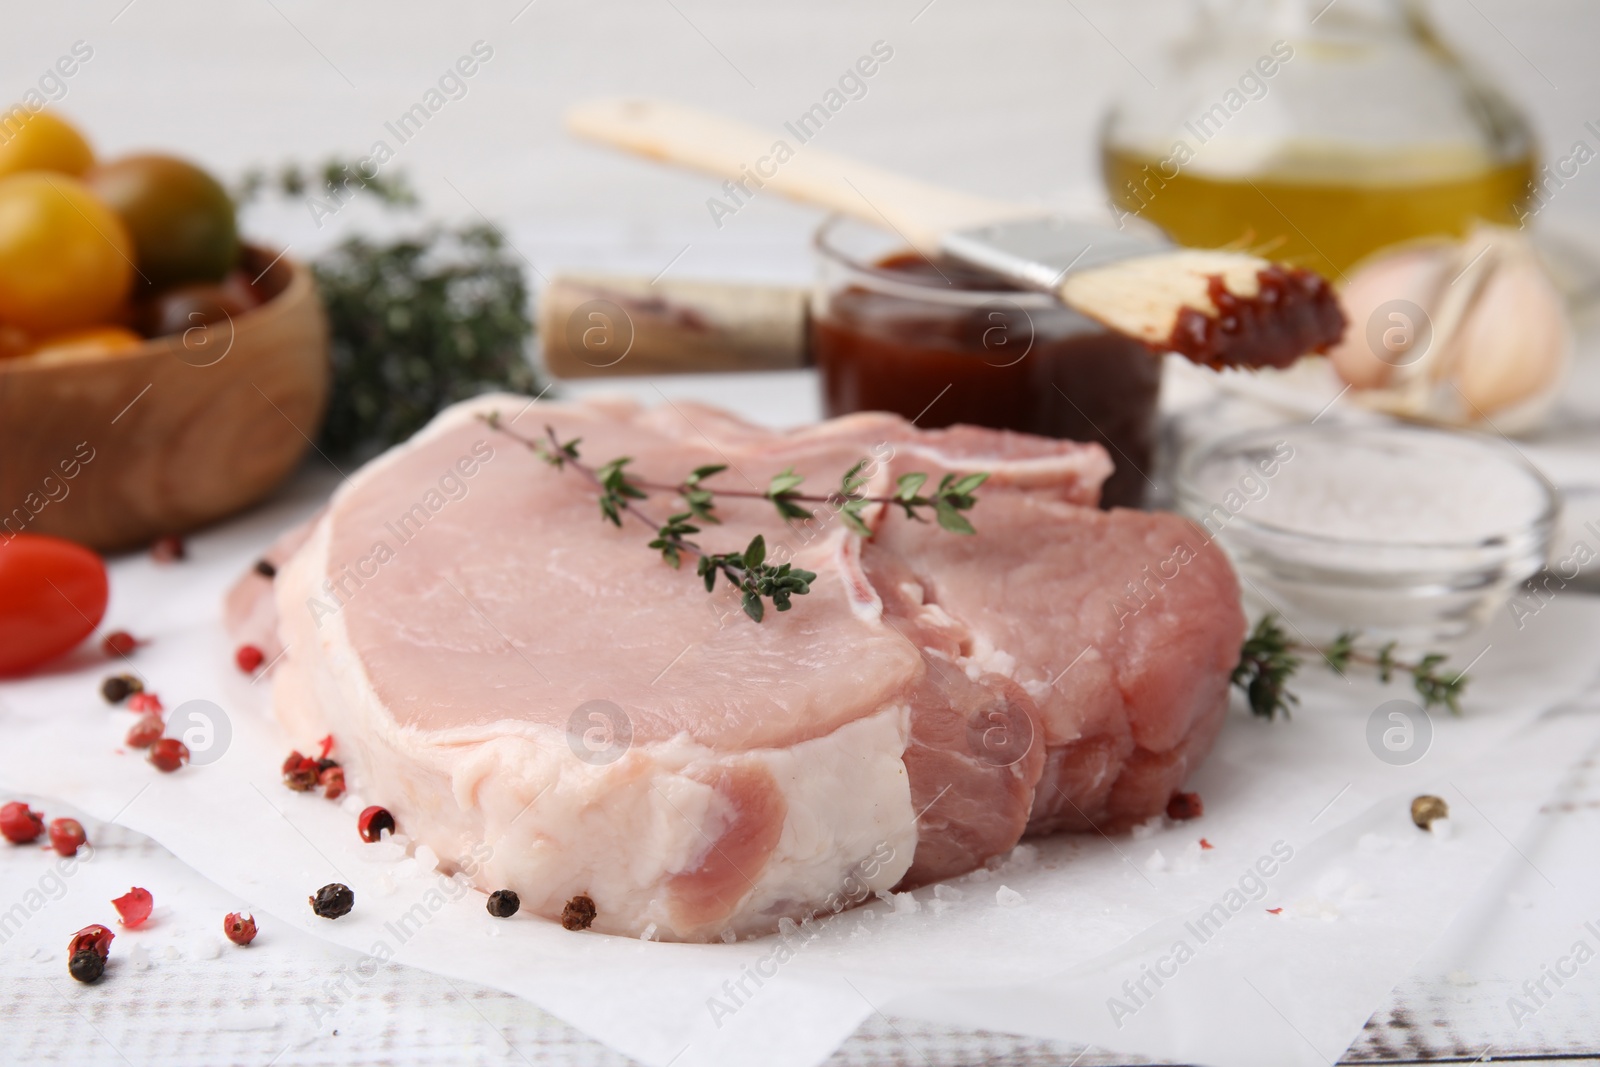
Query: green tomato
181	219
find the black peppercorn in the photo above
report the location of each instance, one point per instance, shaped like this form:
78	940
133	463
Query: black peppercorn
333	901
579	912
120	687
503	903
87	966
265	569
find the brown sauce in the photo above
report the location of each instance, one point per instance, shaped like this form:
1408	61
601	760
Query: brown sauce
1295	312
1040	370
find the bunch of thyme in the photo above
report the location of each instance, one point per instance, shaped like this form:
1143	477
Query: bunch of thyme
417	322
748	571
1269	658
333	177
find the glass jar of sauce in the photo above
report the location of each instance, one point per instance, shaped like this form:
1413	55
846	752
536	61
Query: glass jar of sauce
940	343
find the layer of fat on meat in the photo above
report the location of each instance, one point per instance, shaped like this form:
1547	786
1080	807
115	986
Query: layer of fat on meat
846	735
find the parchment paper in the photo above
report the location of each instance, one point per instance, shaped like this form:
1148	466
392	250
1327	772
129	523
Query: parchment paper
1042	945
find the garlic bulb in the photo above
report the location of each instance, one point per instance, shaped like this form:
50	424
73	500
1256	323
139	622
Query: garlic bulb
1470	333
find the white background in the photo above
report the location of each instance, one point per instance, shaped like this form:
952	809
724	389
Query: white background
1000	97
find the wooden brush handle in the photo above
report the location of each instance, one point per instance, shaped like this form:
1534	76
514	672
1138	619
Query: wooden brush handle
600	325
780	161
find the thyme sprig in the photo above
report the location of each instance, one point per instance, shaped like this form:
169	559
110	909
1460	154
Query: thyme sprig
748	571
1269	658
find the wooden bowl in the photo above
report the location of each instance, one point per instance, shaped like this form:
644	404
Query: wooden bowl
115	451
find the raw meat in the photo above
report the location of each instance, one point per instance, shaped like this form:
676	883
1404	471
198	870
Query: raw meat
515	679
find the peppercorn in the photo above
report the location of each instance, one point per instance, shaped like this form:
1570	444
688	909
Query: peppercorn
19	824
146	732
142	702
134	906
503	903
300	772
1425	809
1185	806
119	643
96	939
579	913
120	687
168	754
86	966
168	549
373	822
332	782
333	900
249	657
266	569
87	952
241	930
67	836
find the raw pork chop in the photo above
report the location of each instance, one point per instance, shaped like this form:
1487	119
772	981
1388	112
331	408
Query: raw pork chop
501	668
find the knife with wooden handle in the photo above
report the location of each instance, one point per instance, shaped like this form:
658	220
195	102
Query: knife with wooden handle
1219	308
594	325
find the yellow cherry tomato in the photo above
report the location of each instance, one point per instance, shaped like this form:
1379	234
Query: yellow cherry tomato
66	260
13	342
41	140
94	342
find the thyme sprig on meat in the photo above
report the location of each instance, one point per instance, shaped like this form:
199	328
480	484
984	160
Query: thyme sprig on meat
1269	658
748	571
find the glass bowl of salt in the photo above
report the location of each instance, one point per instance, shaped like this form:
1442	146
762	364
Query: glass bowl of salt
1403	534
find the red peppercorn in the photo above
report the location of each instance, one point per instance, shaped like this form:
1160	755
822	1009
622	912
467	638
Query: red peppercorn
134	906
96	939
373	822
327	746
120	643
1185	806
19	824
332	782
300	773
168	754
146	732
241	930
248	657
168	549
67	836
143	702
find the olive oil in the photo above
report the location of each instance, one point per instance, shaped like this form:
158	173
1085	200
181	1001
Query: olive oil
1316	209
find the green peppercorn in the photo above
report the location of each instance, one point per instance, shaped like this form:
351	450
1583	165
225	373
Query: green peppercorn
1425	809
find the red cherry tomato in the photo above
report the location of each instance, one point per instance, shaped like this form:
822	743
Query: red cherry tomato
52	595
